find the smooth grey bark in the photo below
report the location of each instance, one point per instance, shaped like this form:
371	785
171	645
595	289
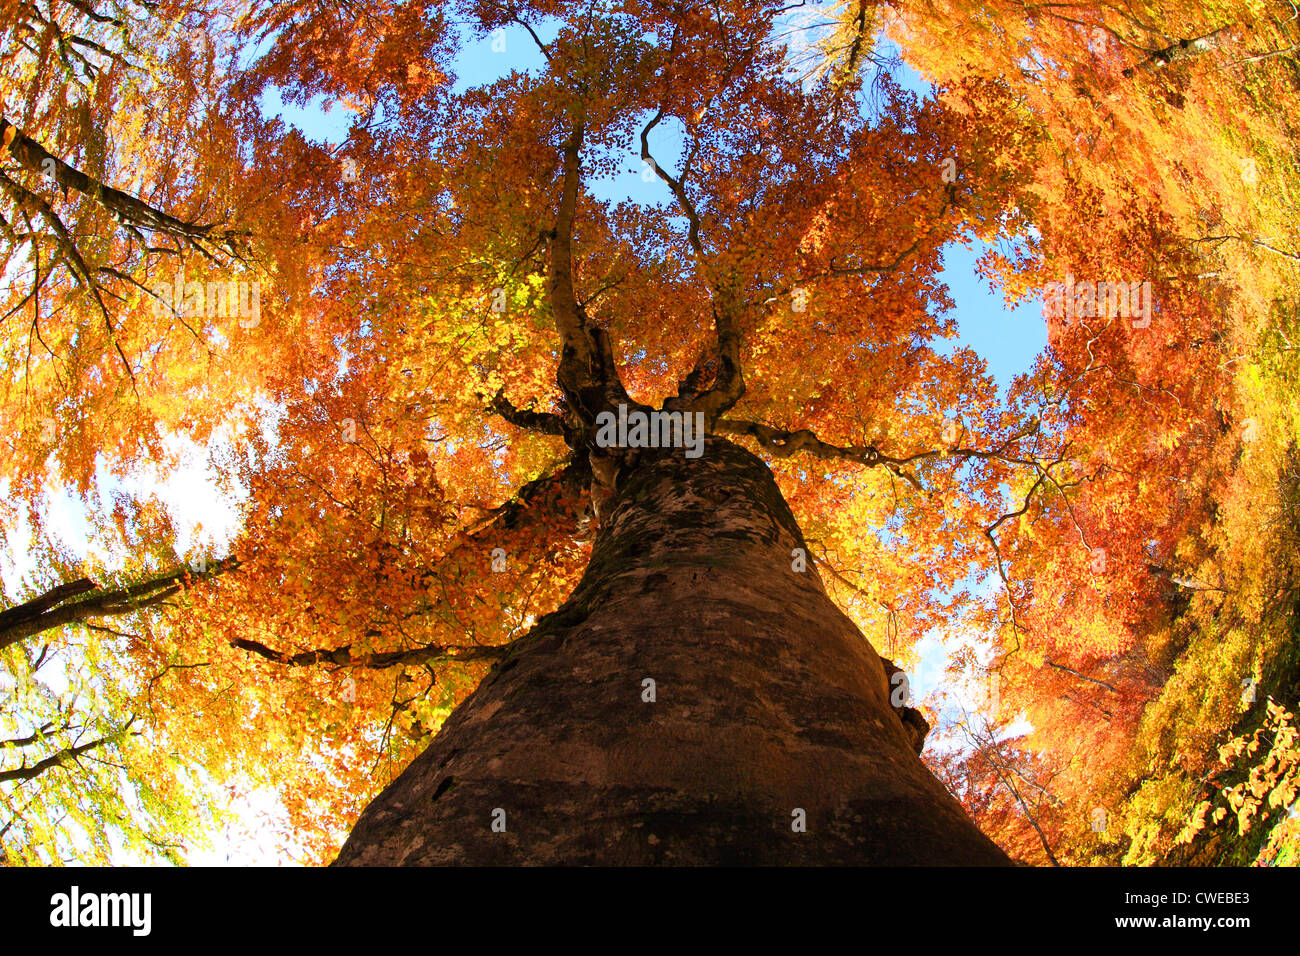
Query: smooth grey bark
768	701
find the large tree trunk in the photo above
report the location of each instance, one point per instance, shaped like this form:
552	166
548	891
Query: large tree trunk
768	701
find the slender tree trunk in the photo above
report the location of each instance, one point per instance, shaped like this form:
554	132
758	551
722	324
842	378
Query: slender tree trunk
769	708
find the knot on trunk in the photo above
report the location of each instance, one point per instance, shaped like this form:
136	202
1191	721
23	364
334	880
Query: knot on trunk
914	724
607	472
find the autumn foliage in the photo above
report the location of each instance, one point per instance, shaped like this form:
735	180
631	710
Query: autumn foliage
1106	547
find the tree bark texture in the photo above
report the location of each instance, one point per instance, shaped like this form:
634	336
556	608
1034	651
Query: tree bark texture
769	707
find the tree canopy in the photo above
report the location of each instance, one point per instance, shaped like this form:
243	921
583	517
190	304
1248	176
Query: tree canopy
391	350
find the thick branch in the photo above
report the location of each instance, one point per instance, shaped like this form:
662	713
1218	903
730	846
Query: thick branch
124	207
587	374
343	656
39	605
48	611
861	37
548	423
1071	670
783	444
59	759
548	489
689	388
29	739
564	303
1182	50
729	383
